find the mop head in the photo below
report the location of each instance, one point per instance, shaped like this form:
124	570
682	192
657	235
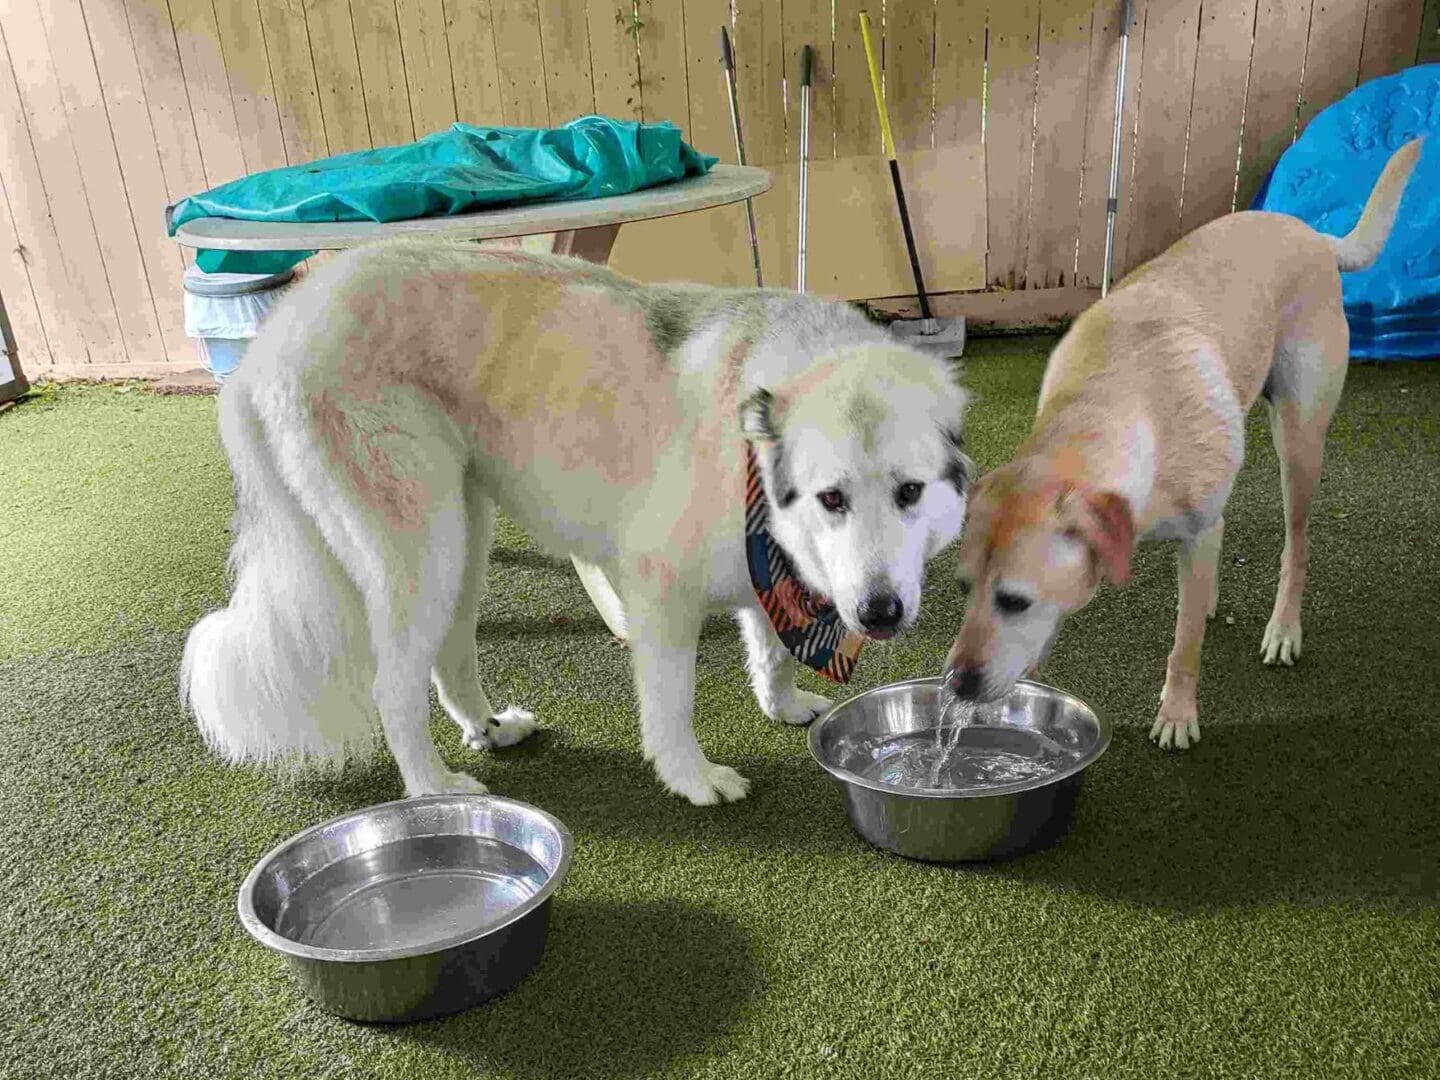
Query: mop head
939	337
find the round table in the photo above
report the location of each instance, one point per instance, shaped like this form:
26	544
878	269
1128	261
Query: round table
586	228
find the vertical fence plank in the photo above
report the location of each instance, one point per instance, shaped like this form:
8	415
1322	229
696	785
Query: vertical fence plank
807	22
16	294
1278	53
163	81
202	65
473	67
857	127
1167	81
910	72
1332	55
104	183
139	164
36	246
664	93
1222	69
337	75
705	78
564	38
959	73
382	72
614	61
760	71
1428	51
293	69
68	206
1059	142
1008	144
1392	27
252	91
427	65
521	62
719	233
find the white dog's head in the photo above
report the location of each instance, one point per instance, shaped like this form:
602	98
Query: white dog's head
862	461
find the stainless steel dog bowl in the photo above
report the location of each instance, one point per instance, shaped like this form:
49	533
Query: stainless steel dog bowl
958	824
410	909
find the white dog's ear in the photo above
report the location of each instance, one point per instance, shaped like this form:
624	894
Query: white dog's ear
959	468
757	417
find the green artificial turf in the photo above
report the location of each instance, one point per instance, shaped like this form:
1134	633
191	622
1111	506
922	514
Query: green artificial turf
1262	906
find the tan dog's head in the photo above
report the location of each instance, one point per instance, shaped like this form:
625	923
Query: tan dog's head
1036	546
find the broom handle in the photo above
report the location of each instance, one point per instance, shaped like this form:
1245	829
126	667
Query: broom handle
728	56
1112	203
806	62
888	143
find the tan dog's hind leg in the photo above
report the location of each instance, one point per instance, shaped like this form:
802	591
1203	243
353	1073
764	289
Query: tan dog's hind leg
1298	429
1178	724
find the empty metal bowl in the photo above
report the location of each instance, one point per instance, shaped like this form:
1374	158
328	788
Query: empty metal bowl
855	739
410	909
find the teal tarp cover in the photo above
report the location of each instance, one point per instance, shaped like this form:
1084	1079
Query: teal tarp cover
455	171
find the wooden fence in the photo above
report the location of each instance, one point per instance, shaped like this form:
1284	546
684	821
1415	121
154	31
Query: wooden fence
110	109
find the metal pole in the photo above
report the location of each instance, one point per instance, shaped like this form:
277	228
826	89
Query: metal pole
728	55
1112	202
806	61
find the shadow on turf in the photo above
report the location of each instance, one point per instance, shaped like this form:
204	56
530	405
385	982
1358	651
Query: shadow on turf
623	989
1318	812
1321	812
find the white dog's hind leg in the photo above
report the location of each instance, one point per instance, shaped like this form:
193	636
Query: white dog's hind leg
603	596
1178	723
456	673
772	672
664	636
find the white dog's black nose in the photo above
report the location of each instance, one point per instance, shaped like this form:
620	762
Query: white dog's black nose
882	612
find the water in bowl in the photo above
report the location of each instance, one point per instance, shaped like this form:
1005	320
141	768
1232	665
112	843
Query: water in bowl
423	890
961	754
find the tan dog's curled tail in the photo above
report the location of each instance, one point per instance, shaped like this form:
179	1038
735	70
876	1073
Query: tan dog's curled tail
1362	245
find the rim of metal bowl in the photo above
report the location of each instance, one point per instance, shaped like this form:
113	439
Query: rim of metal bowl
848	777
269	938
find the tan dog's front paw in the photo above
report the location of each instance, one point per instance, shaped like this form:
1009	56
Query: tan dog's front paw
1175	727
1281	643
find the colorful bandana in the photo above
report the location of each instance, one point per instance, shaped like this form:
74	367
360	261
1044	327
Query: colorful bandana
808	624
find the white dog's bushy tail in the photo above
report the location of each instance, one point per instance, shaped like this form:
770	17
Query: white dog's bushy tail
1362	245
285	671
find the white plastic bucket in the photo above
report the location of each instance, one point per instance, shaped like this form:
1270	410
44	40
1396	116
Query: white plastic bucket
224	311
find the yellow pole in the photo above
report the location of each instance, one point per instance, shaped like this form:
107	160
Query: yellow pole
888	141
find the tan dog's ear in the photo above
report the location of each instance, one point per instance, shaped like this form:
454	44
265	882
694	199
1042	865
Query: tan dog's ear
1107	526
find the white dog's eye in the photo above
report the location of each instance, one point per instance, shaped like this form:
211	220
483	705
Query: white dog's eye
908	493
1010	603
833	499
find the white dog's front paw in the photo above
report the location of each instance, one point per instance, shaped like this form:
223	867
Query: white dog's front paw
1175	727
450	783
799	708
1281	643
504	729
511	726
706	784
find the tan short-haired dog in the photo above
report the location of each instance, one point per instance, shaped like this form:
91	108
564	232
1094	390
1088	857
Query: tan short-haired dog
1140	431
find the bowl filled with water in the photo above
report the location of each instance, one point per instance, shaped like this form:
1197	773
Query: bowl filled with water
410	909
931	778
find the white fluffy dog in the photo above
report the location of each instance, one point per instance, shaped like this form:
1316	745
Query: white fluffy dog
408	389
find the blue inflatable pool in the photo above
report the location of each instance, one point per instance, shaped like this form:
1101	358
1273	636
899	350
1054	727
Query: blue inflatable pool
1394	307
